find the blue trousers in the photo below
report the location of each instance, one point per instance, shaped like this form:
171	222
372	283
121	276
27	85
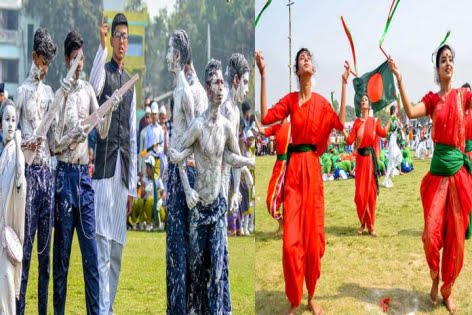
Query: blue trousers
177	241
74	210
207	259
38	216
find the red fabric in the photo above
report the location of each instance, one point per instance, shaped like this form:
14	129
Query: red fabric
468	124
366	133
282	136
304	240
274	197
447	200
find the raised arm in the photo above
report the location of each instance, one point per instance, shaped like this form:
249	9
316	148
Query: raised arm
261	66
97	74
345	76
419	110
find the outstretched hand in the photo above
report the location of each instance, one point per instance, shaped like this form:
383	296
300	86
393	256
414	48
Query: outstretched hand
260	62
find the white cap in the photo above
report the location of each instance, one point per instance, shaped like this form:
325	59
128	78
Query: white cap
249	134
150	160
154	108
148	110
162	110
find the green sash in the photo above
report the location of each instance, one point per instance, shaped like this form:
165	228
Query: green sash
448	160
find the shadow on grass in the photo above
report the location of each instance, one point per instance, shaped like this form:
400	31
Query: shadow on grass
411	232
271	302
267	236
401	301
341	231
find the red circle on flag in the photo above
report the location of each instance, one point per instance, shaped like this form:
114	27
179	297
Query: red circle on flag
375	88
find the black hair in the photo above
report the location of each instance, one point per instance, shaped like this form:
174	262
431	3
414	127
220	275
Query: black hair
73	41
43	45
119	19
181	43
237	65
439	52
466	85
295	67
245	107
210	70
392	109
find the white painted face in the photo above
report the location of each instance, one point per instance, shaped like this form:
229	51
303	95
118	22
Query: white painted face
216	88
243	87
170	56
8	123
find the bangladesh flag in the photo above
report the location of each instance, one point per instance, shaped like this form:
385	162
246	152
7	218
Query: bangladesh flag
378	85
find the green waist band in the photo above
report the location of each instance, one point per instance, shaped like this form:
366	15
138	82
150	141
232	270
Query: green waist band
282	157
448	160
468	145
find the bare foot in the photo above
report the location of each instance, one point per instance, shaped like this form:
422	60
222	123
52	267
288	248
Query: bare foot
451	307
372	233
315	308
291	310
361	230
280	229
434	291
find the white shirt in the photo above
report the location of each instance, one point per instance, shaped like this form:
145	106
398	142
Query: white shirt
110	193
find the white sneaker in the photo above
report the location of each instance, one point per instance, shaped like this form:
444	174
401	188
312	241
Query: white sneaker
161	226
247	232
387	183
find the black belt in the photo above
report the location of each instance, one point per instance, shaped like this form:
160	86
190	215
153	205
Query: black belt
300	148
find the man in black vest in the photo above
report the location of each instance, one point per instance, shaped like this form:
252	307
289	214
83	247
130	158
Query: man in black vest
114	179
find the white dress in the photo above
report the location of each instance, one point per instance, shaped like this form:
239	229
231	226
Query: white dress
12	207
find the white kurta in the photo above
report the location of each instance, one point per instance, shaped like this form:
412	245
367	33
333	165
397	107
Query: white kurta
12	207
111	194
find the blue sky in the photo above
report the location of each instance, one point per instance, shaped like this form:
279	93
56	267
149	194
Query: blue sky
415	32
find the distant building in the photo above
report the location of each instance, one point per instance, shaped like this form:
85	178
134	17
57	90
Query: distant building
16	44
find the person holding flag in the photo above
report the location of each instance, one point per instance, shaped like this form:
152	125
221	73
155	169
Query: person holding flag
445	190
365	132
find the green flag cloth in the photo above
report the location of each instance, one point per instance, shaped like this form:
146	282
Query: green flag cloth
378	85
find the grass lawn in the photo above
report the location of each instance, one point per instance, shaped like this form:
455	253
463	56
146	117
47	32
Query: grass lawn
358	272
142	286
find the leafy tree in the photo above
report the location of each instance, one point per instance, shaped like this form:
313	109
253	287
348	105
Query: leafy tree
61	17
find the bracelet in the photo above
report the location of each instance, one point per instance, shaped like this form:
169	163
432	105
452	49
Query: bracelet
344	80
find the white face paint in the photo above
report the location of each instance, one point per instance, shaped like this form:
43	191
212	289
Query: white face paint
243	87
170	56
8	123
216	88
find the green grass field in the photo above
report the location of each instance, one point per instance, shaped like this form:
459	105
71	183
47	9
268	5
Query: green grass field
142	286
358	272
